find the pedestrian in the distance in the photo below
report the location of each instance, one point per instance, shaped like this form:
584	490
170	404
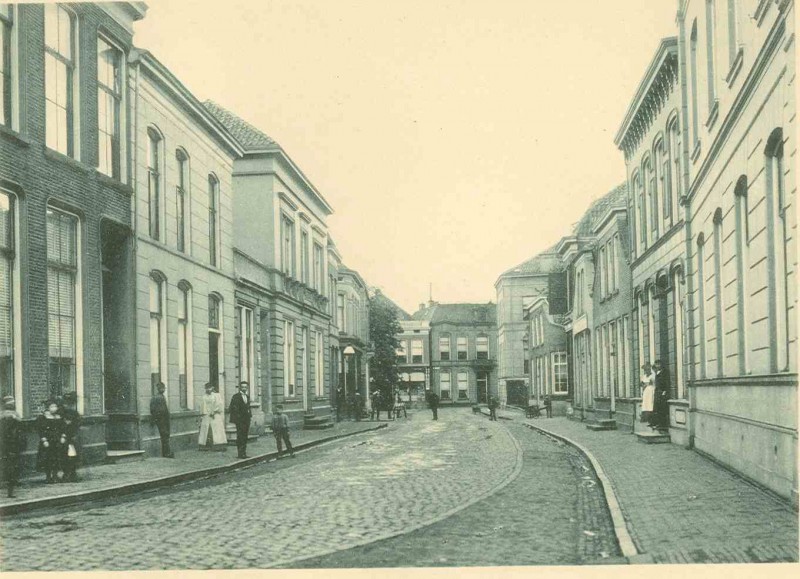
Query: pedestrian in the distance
648	394
240	417
340	403
159	413
661	396
493	404
11	442
212	424
358	405
433	404
72	429
52	438
280	429
548	407
375	401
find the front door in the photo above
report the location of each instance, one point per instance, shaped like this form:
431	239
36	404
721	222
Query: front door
213	360
483	388
306	377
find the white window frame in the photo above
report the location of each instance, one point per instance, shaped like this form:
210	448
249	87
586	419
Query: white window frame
185	326
462	340
442	375
247	350
122	121
417	346
481	346
319	364
559	359
12	22
16	302
183	201
74	132
160	282
289	360
214	219
444	341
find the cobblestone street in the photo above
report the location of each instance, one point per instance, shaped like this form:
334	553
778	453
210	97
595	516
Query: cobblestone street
346	494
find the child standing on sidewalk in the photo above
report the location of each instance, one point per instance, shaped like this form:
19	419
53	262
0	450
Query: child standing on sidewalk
280	428
52	439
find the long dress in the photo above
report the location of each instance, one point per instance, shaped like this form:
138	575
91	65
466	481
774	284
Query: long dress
213	418
648	396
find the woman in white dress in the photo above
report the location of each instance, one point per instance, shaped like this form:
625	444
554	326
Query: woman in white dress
648	393
213	418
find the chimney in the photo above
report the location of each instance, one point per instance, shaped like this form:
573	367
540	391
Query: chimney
421	306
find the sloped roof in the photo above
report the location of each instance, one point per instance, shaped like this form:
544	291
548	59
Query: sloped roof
400	312
614	199
249	137
544	262
458	313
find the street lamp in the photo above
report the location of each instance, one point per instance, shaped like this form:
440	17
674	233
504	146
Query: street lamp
348	352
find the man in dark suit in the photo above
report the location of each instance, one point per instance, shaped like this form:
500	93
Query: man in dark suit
159	413
660	404
240	415
433	403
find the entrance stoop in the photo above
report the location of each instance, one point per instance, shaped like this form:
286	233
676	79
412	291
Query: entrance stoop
118	456
653	437
605	424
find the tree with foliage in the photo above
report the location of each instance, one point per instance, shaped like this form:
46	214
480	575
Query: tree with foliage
383	331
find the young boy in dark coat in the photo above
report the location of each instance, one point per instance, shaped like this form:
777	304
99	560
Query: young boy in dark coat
11	440
52	439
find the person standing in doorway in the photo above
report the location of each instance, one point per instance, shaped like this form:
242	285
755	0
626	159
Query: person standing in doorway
11	441
648	393
280	429
72	428
159	413
240	417
661	397
212	424
433	404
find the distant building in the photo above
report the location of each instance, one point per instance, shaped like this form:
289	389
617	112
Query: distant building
549	360
514	288
463	350
353	323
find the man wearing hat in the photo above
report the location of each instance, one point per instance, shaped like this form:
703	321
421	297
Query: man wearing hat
240	416
11	439
159	412
72	428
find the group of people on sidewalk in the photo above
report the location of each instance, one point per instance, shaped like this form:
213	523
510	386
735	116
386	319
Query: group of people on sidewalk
655	396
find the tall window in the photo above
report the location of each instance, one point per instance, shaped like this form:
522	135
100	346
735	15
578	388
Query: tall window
416	351
677	284
720	307
693	82
463	386
154	181
319	272
622	356
157	330
6	78
611	341
402	352
304	257
461	347
640	192
215	342
701	303
213	220
340	313
63	300
289	359
559	366
652	197
181	198
184	343
8	294
59	67
733	42
482	348
287	248
776	256
109	107
319	364
742	268
247	370
444	348
675	171
603	272
444	385
710	53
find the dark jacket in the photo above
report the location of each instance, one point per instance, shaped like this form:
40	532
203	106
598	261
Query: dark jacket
159	409
240	412
11	445
433	400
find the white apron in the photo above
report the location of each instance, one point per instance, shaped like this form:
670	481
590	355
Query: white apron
648	393
212	404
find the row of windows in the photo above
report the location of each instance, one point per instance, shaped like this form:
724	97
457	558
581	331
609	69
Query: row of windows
607	267
462	384
62	70
611	362
550	374
64	302
311	270
710	280
481	348
349	315
291	384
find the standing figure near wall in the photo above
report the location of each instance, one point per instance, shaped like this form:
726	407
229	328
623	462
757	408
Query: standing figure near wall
52	438
213	410
661	398
648	394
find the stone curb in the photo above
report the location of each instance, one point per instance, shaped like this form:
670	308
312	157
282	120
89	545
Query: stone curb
514	474
624	539
498	416
131	488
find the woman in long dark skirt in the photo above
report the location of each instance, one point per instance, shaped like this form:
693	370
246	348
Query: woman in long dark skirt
11	441
52	438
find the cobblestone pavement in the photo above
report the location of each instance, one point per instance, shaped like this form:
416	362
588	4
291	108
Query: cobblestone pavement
553	513
101	476
338	496
682	507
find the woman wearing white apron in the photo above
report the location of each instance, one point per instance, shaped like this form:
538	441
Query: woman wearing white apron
648	393
213	418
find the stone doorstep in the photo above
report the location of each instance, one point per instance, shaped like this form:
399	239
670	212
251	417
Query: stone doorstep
653	437
118	456
168	480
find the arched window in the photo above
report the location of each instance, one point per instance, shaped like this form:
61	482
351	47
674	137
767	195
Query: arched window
215	341
634	221
158	342
666	181
777	258
154	143
642	215
182	198
710	53
676	180
657	185
701	304
213	219
693	82
185	393
677	284
718	288
742	268
649	195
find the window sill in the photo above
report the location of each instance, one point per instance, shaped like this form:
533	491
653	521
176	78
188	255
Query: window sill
65	160
713	115
114	183
736	67
14	136
696	151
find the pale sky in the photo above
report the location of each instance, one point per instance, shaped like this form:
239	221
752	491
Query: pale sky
454	139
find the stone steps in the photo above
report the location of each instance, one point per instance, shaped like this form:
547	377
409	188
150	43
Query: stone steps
313	422
118	456
653	437
605	424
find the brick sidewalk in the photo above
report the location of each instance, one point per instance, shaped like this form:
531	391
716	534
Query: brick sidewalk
186	465
681	507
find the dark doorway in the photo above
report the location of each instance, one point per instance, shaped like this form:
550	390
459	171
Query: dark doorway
213	360
483	387
516	393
